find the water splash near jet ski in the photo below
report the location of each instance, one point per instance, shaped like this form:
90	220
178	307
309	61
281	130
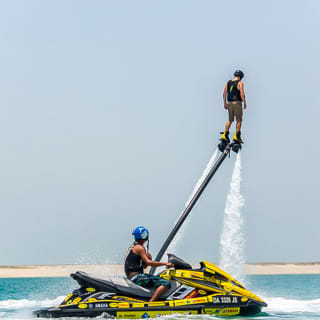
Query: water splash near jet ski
232	237
179	236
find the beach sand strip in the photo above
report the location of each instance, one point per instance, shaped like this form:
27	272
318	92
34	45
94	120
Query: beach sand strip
108	270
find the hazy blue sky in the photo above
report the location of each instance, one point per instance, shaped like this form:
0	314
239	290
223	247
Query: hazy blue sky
110	111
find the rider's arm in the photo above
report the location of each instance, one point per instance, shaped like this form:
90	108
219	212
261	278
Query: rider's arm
243	96
225	97
141	251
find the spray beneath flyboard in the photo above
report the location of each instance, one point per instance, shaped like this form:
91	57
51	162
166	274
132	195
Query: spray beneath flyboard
174	244
232	242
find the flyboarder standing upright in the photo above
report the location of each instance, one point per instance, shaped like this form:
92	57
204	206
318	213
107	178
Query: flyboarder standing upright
234	93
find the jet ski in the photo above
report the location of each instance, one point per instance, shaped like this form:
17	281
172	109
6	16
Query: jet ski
206	290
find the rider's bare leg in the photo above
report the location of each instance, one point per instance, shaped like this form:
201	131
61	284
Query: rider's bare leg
238	126
158	293
228	125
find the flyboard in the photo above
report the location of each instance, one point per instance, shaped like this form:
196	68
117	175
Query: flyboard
225	141
204	290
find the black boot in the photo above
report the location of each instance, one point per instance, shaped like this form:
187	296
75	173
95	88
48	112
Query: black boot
237	137
224	141
225	137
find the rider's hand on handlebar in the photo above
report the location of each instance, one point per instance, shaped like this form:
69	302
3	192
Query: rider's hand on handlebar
169	265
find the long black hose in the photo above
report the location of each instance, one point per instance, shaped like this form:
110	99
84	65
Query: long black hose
191	204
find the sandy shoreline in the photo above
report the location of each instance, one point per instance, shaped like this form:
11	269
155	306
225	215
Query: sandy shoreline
107	270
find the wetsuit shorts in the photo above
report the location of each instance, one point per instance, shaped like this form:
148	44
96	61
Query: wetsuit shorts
235	110
149	281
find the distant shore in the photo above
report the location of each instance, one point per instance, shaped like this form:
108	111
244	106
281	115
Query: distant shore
110	270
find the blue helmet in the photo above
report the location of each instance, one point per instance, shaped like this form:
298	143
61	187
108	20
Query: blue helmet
141	233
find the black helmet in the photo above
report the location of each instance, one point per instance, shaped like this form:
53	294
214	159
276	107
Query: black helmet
239	73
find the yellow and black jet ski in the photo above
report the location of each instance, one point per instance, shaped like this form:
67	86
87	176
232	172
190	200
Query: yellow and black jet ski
207	290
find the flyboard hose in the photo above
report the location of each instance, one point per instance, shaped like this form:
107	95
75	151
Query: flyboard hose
191	204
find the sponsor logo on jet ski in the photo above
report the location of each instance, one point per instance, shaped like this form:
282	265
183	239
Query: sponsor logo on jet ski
129	315
224	312
230	311
199	300
101	305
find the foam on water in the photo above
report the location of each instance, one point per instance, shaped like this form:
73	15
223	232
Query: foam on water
29	304
232	237
280	304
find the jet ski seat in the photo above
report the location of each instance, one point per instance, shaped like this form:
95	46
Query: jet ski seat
119	286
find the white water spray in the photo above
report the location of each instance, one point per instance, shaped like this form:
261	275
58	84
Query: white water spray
232	237
173	246
203	176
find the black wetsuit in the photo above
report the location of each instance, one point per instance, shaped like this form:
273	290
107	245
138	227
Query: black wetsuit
233	91
133	263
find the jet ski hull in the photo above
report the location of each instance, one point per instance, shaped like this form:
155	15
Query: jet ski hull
220	305
207	290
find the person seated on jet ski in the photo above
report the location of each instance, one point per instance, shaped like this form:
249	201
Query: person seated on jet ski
138	258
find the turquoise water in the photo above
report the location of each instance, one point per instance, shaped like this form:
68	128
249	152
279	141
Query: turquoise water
288	296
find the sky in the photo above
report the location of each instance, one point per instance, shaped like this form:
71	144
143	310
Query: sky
110	111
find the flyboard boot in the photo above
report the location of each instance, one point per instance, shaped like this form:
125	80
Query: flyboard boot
237	141
224	140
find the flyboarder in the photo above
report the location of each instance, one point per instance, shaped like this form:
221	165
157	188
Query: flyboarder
234	92
138	258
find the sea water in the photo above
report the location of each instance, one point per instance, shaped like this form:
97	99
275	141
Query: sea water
288	296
